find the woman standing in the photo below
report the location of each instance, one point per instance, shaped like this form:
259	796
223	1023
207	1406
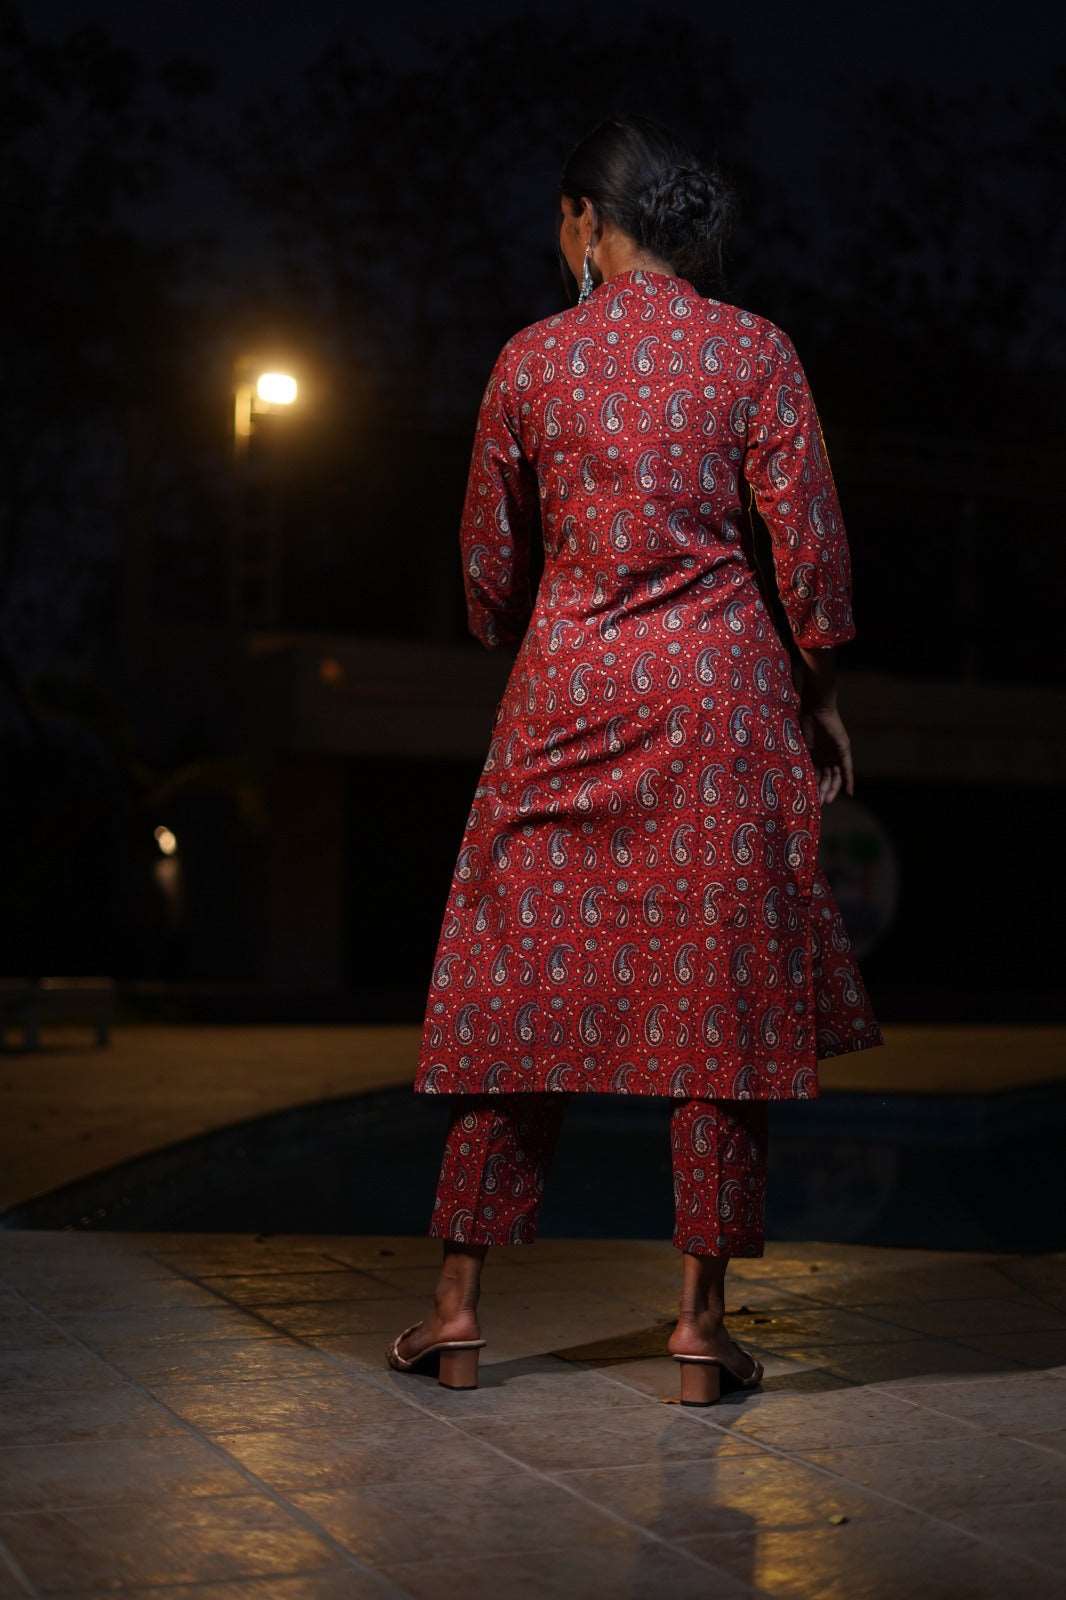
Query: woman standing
636	906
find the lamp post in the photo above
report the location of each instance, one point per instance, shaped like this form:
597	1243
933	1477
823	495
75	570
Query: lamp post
255	396
258	391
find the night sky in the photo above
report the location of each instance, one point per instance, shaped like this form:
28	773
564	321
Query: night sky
795	51
795	57
798	62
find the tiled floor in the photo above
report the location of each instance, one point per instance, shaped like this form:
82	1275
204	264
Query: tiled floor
211	1416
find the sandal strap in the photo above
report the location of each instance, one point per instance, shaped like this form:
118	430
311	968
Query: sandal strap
400	1337
720	1361
443	1344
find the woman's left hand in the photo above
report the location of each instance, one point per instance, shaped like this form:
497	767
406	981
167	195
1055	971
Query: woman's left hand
827	740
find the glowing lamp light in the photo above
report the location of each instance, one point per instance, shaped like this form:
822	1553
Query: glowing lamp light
167	841
276	388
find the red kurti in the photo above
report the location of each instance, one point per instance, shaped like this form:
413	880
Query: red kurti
636	906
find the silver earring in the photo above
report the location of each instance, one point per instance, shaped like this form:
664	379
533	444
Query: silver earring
587	284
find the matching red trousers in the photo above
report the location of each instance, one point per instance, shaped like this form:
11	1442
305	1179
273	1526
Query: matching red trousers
499	1147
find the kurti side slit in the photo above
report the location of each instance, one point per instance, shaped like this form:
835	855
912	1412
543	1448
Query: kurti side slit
636	905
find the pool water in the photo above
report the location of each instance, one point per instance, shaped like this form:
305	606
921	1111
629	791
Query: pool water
929	1172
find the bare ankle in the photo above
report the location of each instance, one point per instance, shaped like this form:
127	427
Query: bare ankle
706	1318
703	1289
449	1301
459	1285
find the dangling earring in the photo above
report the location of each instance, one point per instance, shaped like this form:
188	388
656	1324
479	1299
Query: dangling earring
587	284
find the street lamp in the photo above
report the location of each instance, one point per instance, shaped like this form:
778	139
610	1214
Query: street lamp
258	396
258	390
276	388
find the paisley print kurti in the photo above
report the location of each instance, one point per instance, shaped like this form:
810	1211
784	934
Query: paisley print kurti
637	906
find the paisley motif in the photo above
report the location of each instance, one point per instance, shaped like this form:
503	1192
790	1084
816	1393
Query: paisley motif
636	905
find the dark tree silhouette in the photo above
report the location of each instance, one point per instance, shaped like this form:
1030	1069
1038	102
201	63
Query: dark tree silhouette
417	205
945	252
89	317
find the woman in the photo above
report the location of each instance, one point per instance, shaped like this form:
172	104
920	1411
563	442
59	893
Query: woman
636	906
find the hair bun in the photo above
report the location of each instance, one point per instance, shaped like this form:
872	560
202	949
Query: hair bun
680	196
659	192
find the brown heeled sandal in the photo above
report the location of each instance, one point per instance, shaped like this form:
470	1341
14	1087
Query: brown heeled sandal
704	1379
456	1359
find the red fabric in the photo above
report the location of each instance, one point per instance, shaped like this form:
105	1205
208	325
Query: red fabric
636	905
499	1147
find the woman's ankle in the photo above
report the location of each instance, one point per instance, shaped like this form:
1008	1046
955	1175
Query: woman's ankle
456	1299
705	1318
459	1285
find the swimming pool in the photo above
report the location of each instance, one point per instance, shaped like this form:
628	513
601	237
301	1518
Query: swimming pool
938	1172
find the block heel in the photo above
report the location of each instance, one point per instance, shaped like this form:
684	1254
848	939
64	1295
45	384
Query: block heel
458	1368
701	1381
704	1379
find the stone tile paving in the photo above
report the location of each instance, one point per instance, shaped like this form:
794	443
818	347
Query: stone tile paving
210	1417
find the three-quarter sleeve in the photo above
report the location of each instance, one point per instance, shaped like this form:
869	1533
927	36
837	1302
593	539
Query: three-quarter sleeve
499	517
787	465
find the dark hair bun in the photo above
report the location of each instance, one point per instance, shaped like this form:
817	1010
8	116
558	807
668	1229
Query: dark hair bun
679	205
658	191
679	191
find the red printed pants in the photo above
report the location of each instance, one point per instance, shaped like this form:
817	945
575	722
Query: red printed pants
499	1147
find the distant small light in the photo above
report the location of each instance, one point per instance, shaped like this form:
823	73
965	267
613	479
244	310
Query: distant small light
276	388
330	670
167	841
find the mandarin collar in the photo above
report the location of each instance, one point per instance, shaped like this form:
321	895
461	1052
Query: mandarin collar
646	277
